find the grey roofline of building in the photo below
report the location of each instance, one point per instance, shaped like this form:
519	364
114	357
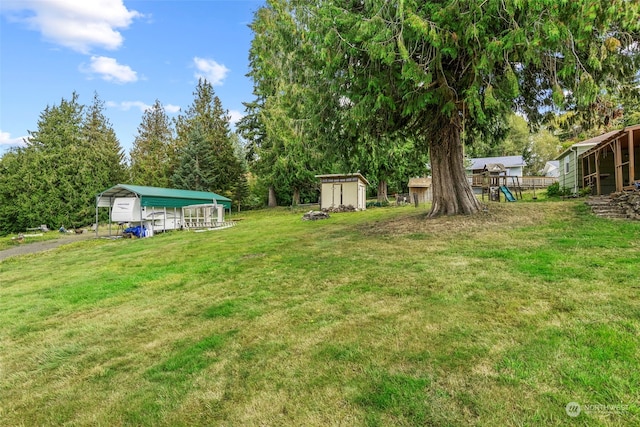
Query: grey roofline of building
344	175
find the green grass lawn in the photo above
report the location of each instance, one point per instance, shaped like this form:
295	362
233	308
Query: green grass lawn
376	318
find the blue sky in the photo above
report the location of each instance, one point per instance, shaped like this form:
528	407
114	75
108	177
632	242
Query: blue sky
129	52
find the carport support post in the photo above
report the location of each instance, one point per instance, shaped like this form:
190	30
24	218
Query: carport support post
141	223
110	214
97	200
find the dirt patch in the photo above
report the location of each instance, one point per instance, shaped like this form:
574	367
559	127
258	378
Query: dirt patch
36	247
503	215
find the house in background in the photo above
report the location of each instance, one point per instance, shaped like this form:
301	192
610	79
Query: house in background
571	170
343	190
505	170
613	165
513	165
421	187
551	169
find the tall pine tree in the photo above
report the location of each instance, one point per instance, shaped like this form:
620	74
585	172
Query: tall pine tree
207	122
152	149
53	180
104	150
196	170
56	153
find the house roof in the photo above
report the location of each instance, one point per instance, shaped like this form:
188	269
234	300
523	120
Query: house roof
419	183
344	175
506	161
495	167
550	167
610	136
156	196
587	143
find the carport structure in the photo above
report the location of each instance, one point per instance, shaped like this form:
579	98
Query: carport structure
158	208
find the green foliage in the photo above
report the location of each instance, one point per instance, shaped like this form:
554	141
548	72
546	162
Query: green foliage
281	152
360	77
152	151
204	152
197	167
542	147
72	156
382	204
584	192
554	190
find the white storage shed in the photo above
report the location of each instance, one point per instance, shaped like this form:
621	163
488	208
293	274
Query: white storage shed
343	190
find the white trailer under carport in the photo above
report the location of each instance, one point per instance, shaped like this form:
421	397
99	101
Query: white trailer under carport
159	209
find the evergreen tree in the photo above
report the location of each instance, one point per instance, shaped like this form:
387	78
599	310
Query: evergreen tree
16	184
283	154
207	122
69	159
441	69
104	150
56	153
196	170
152	149
241	189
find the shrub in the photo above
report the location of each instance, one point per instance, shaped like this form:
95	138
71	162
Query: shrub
584	192
382	204
554	190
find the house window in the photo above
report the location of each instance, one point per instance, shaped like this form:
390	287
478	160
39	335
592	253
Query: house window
566	165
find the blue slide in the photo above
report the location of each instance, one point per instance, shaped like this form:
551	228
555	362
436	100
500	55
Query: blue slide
507	193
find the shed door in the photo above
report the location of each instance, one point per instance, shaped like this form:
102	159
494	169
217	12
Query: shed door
337	195
362	197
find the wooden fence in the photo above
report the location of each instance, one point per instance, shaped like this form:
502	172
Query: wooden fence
526	182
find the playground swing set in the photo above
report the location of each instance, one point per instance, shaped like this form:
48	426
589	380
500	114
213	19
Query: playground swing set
495	182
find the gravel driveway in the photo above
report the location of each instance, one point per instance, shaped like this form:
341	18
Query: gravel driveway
35	247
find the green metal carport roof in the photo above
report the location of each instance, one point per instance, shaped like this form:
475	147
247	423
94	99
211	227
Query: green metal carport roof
159	197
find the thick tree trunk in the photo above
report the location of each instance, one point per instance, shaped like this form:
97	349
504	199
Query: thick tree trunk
295	201
382	191
272	197
452	193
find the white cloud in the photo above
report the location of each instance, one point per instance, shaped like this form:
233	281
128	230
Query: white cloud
235	116
169	108
78	25
110	70
128	105
209	69
5	139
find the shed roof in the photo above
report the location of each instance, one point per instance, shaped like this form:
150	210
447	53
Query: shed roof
587	143
610	137
506	161
419	183
344	175
160	197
